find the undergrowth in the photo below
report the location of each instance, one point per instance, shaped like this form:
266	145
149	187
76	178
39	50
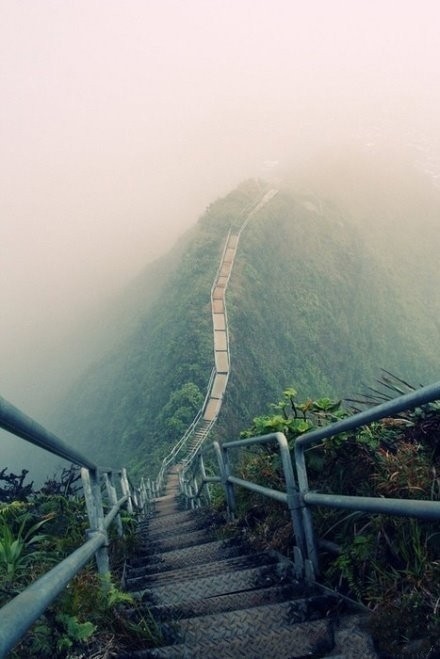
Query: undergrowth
391	564
92	617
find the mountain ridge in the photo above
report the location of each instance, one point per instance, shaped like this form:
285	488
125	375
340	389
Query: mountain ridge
309	304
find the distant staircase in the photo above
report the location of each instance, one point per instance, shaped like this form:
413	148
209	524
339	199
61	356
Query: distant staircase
215	598
198	431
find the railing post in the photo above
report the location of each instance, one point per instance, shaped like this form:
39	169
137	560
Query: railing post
155	489
192	495
144	496
195	487
223	462
229	486
187	493
303	484
111	492
95	512
293	499
125	486
189	499
203	472
136	497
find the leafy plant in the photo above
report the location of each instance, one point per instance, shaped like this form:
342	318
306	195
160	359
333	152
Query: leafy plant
17	548
390	563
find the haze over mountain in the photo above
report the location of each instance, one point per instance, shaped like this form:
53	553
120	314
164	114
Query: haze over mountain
121	121
317	299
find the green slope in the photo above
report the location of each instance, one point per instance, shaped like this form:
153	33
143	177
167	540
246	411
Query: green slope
310	303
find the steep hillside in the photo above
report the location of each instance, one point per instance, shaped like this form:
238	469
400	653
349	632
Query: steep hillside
310	303
149	386
313	305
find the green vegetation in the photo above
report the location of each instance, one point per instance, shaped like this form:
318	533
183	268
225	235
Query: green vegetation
312	298
90	616
389	563
137	400
309	299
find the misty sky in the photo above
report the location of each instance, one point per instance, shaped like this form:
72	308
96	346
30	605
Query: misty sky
120	120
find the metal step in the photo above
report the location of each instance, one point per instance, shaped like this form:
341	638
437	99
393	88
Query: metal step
232	624
168	510
195	555
177	541
156	523
344	638
189	572
153	535
215	599
243	599
309	639
192	589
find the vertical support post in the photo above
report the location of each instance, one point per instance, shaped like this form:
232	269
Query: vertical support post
95	512
144	496
135	494
141	495
195	488
224	474
203	472
192	495
187	494
303	484
126	490
111	492
229	486
293	499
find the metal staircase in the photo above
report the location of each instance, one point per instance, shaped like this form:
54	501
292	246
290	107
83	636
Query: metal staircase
216	598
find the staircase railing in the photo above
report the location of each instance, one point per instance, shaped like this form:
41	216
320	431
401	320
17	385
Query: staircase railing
297	495
177	449
21	612
170	458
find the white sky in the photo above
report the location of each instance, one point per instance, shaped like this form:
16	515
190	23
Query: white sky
120	120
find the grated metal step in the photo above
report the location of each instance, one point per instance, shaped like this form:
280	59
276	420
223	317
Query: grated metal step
243	599
198	571
216	599
195	555
310	639
230	582
162	522
231	624
167	530
176	541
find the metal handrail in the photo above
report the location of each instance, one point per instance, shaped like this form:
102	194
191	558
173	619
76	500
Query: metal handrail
20	613
297	496
405	507
23	610
170	457
16	422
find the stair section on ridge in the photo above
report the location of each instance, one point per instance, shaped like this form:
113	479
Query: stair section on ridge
199	430
215	598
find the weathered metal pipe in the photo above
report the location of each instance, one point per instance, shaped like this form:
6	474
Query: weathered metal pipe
21	425
19	614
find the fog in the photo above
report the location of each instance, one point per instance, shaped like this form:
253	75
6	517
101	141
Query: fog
121	120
